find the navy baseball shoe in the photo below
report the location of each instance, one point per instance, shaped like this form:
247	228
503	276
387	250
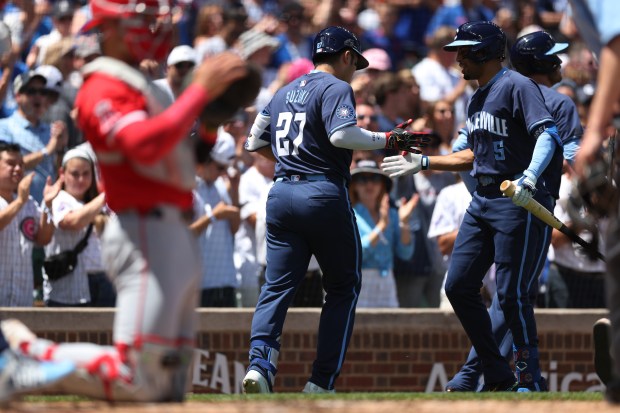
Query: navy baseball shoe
507	385
540	385
20	374
612	392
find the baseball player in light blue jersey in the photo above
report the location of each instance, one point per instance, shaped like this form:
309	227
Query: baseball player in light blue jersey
309	129
511	135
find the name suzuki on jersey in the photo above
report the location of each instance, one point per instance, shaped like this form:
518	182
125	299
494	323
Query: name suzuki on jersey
486	121
297	96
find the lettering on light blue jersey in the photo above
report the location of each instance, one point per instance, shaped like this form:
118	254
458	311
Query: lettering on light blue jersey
297	96
486	121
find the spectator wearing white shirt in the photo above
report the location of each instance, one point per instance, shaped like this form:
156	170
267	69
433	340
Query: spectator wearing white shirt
22	225
438	77
77	206
450	207
251	186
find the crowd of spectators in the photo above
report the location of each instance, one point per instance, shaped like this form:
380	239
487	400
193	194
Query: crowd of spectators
409	77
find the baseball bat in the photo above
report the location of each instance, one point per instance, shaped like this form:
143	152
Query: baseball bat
542	213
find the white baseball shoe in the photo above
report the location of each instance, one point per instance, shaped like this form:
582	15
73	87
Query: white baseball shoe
20	374
313	388
254	382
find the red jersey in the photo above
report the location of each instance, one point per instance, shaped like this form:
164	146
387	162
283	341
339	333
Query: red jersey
141	146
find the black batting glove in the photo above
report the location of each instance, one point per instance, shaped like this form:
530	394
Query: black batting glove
402	140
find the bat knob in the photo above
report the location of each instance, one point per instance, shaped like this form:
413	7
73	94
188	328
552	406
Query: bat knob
507	188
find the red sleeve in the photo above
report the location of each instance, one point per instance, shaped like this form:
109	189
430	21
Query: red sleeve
121	118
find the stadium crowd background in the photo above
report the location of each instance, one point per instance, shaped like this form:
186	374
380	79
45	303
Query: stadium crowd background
409	76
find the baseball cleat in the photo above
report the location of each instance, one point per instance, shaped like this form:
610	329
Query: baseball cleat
602	357
254	383
450	389
506	385
540	385
464	381
21	374
313	388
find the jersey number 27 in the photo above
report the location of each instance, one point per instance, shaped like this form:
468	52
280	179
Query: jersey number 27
285	144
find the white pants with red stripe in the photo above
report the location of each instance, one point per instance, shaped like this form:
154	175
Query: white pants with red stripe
155	266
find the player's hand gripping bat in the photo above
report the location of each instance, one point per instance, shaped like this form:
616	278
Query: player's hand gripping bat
540	212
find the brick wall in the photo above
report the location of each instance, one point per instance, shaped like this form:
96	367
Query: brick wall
391	350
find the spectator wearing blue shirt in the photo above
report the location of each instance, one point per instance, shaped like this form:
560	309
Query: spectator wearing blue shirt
455	16
384	231
294	43
384	37
40	141
10	67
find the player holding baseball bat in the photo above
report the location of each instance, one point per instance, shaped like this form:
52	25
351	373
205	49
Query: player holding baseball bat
511	135
533	55
540	212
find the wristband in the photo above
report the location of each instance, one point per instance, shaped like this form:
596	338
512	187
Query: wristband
404	225
44	152
425	162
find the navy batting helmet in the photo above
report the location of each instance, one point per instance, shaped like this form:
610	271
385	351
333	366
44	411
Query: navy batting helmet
536	53
334	39
486	39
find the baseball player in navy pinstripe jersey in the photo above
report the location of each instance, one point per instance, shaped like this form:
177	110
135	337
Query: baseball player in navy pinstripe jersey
310	129
533	55
510	135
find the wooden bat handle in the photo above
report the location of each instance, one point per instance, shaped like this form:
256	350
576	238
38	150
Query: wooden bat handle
539	211
542	213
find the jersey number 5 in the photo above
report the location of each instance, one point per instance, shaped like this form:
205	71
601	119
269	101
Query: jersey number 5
498	150
285	145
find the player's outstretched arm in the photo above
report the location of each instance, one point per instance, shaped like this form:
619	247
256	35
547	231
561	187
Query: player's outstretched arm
354	137
412	163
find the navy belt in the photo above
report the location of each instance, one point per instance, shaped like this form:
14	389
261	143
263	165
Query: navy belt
302	177
487	180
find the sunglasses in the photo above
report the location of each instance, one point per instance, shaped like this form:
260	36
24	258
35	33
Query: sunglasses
373	118
362	179
31	91
184	65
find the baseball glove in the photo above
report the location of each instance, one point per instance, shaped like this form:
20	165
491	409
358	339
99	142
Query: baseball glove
403	140
239	95
597	191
